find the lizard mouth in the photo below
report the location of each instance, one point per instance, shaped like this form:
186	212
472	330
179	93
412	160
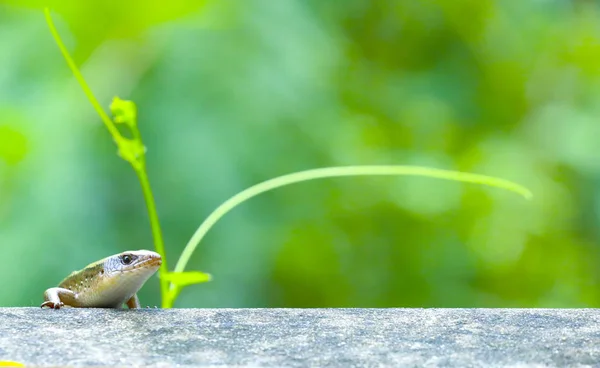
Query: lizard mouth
152	261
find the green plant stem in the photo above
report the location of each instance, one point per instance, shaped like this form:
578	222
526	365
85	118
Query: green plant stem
330	172
155	226
110	125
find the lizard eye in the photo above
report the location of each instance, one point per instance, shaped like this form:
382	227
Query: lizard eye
126	259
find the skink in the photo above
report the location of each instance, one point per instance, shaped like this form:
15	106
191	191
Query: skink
108	283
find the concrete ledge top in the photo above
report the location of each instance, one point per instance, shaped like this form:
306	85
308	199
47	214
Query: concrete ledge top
302	337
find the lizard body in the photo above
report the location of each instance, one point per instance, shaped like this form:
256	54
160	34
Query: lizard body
108	283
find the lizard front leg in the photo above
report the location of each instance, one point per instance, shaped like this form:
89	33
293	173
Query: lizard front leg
58	297
133	302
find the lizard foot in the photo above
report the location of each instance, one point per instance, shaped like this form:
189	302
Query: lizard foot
52	305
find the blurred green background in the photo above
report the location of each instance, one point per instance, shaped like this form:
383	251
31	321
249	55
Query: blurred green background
231	93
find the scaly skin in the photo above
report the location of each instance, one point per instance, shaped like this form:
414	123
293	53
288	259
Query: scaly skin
108	283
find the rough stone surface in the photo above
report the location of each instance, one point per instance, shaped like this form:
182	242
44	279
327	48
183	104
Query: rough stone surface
302	337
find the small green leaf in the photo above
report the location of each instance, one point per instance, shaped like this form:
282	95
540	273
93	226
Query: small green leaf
131	150
182	279
124	111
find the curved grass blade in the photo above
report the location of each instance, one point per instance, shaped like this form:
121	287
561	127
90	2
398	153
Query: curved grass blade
339	171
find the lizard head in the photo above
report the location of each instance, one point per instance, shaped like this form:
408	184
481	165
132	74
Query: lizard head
128	271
